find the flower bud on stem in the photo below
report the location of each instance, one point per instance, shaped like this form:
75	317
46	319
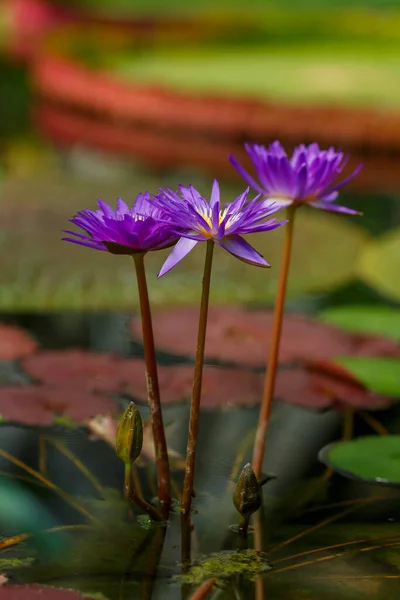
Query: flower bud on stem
246	497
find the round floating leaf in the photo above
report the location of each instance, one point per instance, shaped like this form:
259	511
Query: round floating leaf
41	405
243	336
36	592
101	372
15	342
380	375
378	320
378	264
85	278
221	387
106	373
323	385
375	459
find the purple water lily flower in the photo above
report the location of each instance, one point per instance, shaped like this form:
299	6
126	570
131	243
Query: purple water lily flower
308	177
125	230
197	220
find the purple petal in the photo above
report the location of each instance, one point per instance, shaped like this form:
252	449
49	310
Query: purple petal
215	194
346	180
122	208
333	207
252	182
183	247
106	209
267	226
89	243
237	246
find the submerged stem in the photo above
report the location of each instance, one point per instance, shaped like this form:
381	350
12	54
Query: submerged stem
204	589
136	499
153	391
269	385
197	381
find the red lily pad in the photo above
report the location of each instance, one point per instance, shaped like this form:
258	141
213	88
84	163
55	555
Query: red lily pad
36	592
106	373
243	336
40	405
99	372
222	387
15	342
325	385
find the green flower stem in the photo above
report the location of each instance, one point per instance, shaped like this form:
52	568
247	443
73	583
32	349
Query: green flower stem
136	499
197	381
153	391
244	524
272	365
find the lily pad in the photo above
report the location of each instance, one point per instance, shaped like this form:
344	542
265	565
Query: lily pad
378	320
380	375
243	336
15	342
36	592
101	372
375	459
95	372
84	278
378	264
323	385
42	405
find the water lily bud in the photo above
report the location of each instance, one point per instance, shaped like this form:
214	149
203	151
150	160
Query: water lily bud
247	494
129	435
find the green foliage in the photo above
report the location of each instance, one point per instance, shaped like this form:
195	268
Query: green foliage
380	375
226	564
371	458
378	265
375	320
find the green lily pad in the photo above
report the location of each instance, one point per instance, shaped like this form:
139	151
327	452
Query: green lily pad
380	375
378	264
330	75
41	272
378	320
375	459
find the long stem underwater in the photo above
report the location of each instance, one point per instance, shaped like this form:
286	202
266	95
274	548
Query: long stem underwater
153	391
197	381
135	498
270	377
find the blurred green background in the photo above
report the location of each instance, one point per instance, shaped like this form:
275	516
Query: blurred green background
106	99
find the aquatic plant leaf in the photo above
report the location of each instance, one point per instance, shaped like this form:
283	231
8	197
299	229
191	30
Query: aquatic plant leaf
378	320
378	264
36	592
15	342
43	405
89	371
107	373
243	336
221	387
380	375
322	385
374	459
225	564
